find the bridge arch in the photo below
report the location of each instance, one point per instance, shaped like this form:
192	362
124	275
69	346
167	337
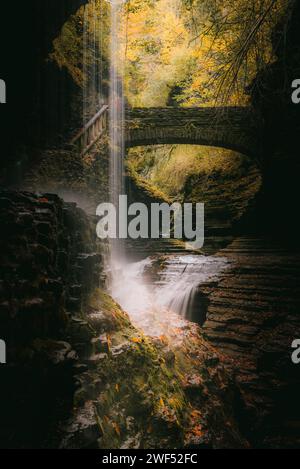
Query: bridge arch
232	128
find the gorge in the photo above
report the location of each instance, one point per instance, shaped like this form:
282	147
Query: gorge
205	335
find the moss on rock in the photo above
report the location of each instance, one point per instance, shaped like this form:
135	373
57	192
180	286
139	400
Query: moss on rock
151	393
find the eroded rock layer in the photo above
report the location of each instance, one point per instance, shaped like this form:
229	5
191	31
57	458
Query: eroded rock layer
252	319
50	261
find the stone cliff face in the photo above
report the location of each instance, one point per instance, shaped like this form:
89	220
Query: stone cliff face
271	95
252	319
40	97
50	262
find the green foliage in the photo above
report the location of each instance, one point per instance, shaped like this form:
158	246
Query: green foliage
177	52
83	43
192	52
168	167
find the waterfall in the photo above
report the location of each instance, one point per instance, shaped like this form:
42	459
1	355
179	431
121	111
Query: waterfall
92	64
117	116
175	294
94	90
172	298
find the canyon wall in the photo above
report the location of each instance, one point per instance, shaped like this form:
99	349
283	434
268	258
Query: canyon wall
50	262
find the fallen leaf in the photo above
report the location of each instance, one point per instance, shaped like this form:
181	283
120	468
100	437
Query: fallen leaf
108	342
136	340
197	431
163	339
117	429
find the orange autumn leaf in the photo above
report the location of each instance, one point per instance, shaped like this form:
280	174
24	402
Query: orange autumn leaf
136	340
117	429
197	431
108	341
163	339
196	413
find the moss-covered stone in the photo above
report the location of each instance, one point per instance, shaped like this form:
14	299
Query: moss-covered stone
141	387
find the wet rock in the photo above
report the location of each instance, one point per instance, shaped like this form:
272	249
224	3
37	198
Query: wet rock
251	322
56	352
120	349
83	431
193	385
38	279
101	344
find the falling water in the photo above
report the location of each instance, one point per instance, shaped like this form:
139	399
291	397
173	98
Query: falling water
180	281
170	299
117	114
93	93
94	97
173	297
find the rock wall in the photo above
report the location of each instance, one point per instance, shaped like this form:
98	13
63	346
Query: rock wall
271	95
252	319
50	262
40	97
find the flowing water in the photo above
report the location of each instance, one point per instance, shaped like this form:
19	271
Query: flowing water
161	300
116	119
93	89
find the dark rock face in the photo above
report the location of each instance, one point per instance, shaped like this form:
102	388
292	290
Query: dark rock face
271	95
40	97
230	197
252	320
50	262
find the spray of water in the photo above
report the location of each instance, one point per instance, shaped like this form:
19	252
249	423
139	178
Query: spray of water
173	298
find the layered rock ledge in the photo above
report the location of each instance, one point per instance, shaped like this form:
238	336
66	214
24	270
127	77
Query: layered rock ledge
252	319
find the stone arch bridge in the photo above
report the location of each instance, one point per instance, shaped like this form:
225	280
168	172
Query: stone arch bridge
233	128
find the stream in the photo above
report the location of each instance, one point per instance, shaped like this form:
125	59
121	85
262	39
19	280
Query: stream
163	292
